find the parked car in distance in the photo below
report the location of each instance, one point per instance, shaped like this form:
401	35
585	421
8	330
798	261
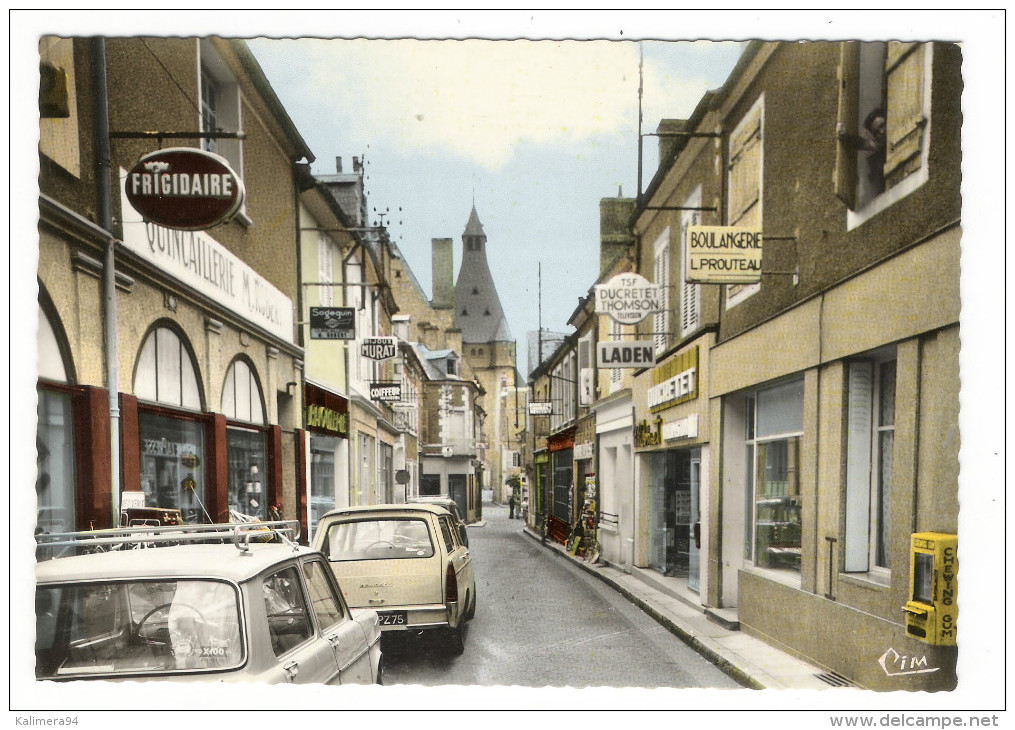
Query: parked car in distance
407	562
250	611
451	506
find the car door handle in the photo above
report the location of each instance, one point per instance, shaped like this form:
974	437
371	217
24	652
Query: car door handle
291	669
334	639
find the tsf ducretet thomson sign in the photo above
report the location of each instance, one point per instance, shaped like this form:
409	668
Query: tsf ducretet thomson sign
628	298
185	189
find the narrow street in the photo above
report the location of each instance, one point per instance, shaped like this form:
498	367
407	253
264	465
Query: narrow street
543	622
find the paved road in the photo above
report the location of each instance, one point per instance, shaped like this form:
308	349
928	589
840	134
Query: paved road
542	621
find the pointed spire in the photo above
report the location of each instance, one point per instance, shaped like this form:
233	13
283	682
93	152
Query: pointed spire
474	227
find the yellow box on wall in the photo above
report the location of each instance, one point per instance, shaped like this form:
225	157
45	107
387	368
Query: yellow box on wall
932	608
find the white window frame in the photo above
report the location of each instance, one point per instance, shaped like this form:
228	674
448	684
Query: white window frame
747	290
153	372
661	277
856	218
690	292
228	112
863	488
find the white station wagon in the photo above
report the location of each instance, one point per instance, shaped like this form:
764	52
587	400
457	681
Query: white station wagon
251	611
407	562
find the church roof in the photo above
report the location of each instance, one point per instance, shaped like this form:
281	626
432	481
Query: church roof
478	310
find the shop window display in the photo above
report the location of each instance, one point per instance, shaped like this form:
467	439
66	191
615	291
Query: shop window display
172	465
247	493
54	484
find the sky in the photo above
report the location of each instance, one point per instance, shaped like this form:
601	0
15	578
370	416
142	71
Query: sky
434	122
533	133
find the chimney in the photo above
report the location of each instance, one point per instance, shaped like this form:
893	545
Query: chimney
400	326
443	273
667	144
338	165
356	165
614	235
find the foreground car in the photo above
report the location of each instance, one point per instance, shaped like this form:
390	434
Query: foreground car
407	562
250	611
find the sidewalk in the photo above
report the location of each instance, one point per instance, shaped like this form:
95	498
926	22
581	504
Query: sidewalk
750	661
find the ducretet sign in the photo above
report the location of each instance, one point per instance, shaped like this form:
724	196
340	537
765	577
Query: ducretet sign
185	189
723	255
628	298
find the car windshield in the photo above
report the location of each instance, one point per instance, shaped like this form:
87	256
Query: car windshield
378	539
136	627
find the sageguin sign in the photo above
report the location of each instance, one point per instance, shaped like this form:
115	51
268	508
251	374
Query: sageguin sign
723	255
185	189
628	298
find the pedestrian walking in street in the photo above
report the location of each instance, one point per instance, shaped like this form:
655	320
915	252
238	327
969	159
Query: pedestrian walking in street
511	507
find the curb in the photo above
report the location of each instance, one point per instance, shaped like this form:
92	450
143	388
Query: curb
724	664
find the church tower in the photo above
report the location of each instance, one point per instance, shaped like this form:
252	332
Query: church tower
490	351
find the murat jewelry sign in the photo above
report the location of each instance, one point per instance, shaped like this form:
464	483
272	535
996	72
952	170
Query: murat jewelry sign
198	261
628	298
723	255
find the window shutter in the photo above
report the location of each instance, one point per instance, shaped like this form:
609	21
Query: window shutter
325	265
661	320
689	292
904	82
745	159
844	174
858	465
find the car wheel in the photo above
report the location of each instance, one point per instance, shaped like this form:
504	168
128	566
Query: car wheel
455	640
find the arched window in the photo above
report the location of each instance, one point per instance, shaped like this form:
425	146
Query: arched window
165	371
54	438
242	399
173	459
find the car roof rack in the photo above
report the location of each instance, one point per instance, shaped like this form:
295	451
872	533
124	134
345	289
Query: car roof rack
126	538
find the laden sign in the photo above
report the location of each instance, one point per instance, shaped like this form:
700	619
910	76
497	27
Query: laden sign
379	348
633	354
185	189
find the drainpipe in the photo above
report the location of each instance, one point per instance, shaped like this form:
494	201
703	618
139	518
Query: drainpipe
104	185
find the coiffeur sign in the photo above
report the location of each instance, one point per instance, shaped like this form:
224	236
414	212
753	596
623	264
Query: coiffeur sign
185	189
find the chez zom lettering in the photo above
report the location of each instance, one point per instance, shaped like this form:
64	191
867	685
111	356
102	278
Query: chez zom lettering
326	418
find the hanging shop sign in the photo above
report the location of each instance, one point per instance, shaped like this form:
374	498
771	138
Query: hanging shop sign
674	382
540	408
185	189
332	323
723	255
196	260
628	298
582	451
325	412
682	428
379	348
386	392
633	354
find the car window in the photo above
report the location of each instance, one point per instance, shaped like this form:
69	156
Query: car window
288	618
322	596
378	539
447	532
137	627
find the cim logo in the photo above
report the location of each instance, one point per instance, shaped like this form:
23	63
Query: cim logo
896	664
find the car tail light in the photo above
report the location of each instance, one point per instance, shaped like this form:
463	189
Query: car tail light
451	584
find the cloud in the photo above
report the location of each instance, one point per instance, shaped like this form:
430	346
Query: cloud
475	99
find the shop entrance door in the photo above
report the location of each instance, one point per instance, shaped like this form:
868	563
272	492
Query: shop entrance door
693	553
457	492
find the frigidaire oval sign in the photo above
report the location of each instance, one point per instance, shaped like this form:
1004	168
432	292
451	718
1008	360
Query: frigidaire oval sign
184	188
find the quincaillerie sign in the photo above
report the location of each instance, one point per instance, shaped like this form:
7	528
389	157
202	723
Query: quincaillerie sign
185	189
195	259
